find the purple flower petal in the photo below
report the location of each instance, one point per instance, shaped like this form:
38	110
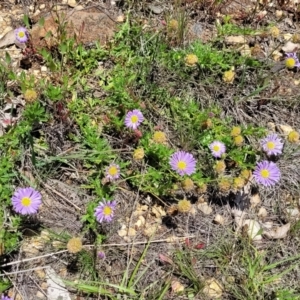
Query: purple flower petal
101	255
266	173
21	35
272	144
217	148
133	119
295	57
26	201
105	211
183	163
112	172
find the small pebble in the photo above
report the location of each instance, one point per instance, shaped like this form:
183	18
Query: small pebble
278	14
72	3
219	219
120	19
262	213
37	12
40	295
155	9
79	7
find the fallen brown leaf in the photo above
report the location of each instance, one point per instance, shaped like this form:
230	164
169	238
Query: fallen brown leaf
279	232
213	288
290	47
177	286
165	259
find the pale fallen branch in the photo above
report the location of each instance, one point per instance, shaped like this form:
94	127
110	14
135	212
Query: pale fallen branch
32	258
23	271
167	240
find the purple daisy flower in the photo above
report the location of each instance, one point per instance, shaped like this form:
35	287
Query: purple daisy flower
266	173
21	34
26	201
5	298
295	57
101	255
105	211
217	148
133	119
183	163
112	172
272	144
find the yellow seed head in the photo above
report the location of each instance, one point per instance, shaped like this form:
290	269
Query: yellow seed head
228	76
30	96
238	182
274	32
246	174
220	166
159	137
256	50
202	188
235	131
293	137
290	63
224	185
74	245
296	38
184	206
188	184
207	124
138	154
173	25
191	60
238	140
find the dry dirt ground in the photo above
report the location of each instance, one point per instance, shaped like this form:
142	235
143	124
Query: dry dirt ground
140	216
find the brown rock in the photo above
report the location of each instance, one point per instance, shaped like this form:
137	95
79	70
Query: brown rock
86	27
237	9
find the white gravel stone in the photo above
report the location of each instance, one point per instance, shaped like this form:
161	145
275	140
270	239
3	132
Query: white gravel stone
40	295
37	12
78	7
72	3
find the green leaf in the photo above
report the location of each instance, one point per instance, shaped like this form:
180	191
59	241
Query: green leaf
7	58
26	21
41	21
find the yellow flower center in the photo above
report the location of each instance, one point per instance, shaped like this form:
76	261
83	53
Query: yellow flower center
21	34
290	63
181	165
216	148
107	211
265	173
134	119
270	145
25	201
113	171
